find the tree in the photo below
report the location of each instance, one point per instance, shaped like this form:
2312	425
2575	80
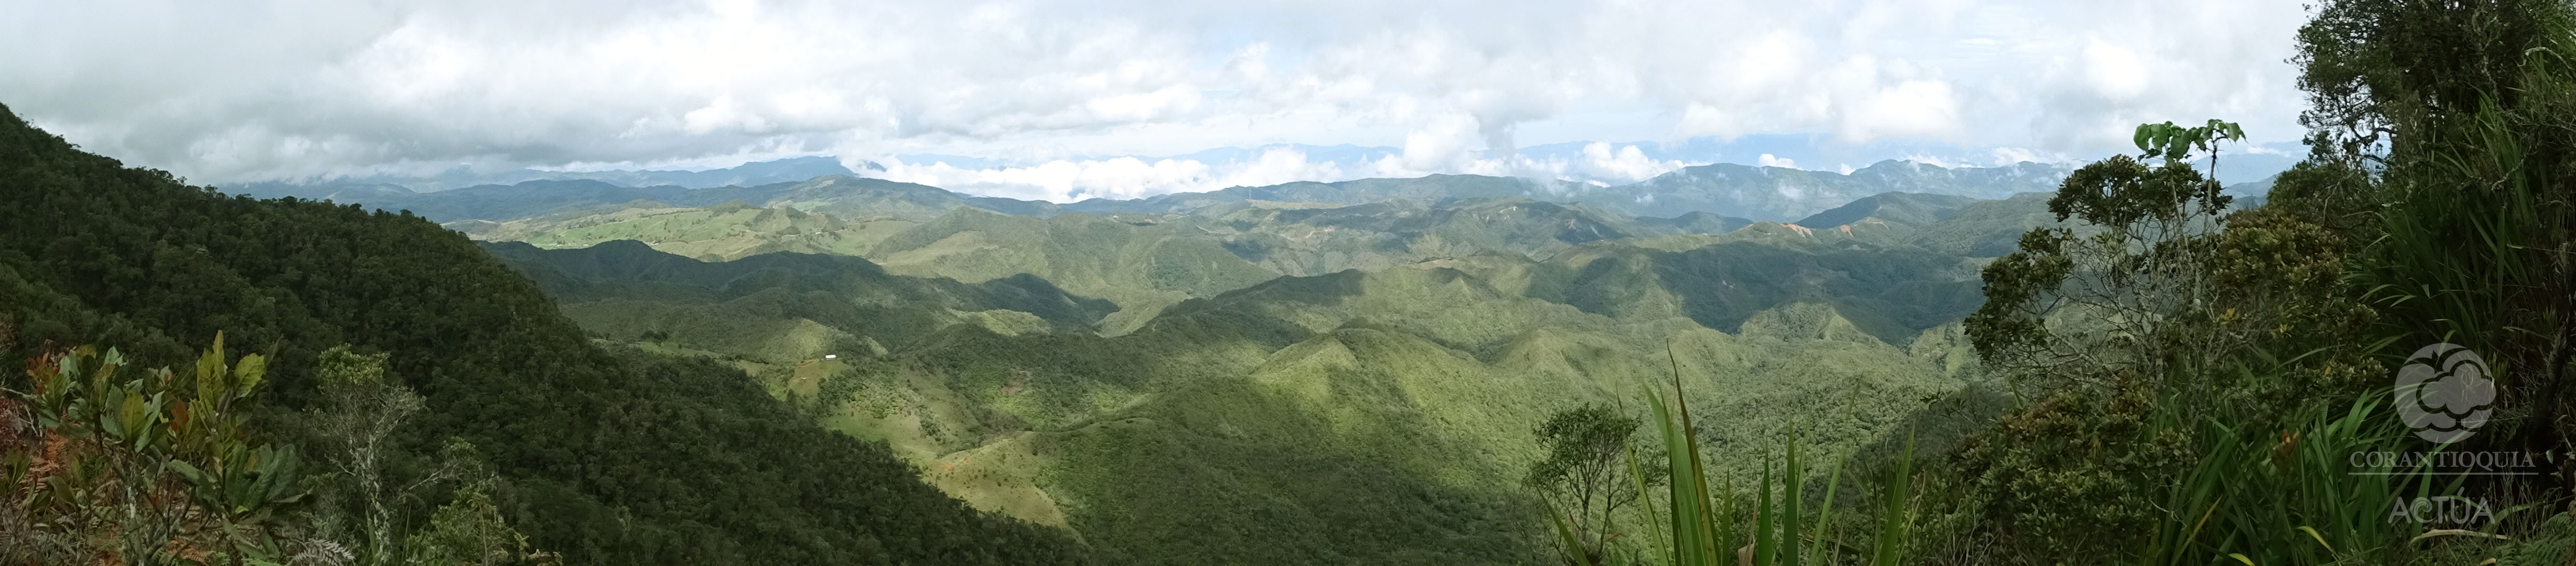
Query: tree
2098	325
1585	476
361	413
2437	205
469	530
2128	297
363	410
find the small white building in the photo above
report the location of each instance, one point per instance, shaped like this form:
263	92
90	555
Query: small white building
831	356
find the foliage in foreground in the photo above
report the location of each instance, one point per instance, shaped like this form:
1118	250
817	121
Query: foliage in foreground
169	468
112	467
1704	521
2199	392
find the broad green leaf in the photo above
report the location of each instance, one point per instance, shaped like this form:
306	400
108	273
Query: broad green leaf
189	471
248	373
210	365
129	415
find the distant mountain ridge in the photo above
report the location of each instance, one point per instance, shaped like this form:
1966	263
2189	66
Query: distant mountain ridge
1915	209
1579	160
787	170
1784	194
1726	190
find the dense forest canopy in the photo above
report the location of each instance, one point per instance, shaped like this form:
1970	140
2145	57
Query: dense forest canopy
607	456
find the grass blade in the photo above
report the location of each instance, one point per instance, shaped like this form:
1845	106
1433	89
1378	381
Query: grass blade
1792	491
1689	516
1891	532
1574	553
1764	546
1823	548
1645	504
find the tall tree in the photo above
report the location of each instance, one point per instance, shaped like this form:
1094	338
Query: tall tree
1585	476
2122	294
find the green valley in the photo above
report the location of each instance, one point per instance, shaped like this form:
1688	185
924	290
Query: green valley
1373	411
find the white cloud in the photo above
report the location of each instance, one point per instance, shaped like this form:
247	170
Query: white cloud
2011	155
259	89
1915	109
1936	160
1625	164
1768	160
2114	71
1065	180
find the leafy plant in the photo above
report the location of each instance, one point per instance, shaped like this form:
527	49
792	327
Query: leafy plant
1702	523
156	469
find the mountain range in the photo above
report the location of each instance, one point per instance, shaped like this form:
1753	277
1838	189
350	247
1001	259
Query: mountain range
1337	372
1741	191
1305	373
747	174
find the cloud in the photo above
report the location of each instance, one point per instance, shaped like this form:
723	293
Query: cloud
1114	178
1627	163
2011	155
266	89
2114	71
1067	180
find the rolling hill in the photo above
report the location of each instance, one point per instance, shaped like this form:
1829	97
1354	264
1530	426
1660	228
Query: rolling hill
1307	373
1783	194
1374	416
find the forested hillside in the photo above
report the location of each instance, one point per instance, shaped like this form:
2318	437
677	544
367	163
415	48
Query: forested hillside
1367	416
604	454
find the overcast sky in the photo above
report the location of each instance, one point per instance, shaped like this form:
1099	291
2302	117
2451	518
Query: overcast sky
232	91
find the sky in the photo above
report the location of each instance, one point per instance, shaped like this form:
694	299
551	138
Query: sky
1125	98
